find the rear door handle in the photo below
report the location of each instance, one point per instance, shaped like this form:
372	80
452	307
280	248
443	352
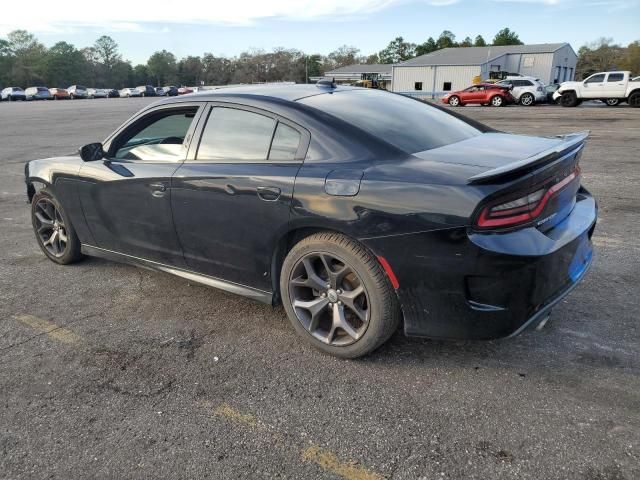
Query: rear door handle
269	194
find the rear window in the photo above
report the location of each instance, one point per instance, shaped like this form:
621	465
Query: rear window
42	89
408	124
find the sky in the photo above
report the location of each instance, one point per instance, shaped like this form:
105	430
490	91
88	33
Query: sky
229	27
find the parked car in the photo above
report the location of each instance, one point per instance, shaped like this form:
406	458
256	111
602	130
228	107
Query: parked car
112	93
301	195
160	92
97	93
527	91
184	91
170	91
37	93
13	94
550	90
483	94
610	87
146	91
59	94
129	92
77	91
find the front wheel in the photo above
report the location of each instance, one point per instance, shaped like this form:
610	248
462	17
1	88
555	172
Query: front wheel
568	99
612	102
337	296
527	99
497	101
454	101
55	235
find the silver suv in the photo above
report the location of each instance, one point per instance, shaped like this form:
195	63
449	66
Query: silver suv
526	90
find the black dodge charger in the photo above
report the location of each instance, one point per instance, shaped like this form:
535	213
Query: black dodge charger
356	209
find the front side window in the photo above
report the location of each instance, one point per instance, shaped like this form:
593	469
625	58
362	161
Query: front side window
159	136
595	79
615	77
232	135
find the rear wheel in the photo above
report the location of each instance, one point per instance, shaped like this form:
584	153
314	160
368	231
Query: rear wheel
454	101
634	100
612	102
337	295
497	101
527	99
54	232
569	99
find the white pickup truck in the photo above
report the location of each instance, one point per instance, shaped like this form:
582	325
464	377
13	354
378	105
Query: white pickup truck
610	87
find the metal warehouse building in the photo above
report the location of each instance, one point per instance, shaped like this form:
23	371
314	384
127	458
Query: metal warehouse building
452	69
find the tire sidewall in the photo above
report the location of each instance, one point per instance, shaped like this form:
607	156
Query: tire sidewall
493	99
374	335
525	96
72	253
456	101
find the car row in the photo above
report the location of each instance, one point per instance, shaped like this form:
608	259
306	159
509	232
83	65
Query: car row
80	91
519	89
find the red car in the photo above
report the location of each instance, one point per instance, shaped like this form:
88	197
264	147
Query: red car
483	93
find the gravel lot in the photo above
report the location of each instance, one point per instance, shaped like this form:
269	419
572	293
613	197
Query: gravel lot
109	371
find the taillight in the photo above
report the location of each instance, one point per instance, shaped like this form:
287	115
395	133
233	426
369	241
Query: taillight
523	209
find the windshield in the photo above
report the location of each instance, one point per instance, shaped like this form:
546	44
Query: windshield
408	124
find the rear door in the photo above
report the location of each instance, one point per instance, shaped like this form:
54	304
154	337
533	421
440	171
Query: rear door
232	202
127	197
615	85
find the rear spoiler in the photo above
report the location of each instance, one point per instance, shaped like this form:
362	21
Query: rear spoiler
570	142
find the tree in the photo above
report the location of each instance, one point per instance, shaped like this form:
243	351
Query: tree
397	51
162	67
27	58
506	37
190	71
426	47
140	75
343	56
371	59
6	60
446	40
479	42
65	65
467	42
630	59
105	50
598	56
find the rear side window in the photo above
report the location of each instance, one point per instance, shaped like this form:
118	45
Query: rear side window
236	135
615	77
408	124
285	144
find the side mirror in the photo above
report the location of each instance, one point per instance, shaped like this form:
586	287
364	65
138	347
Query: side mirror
92	152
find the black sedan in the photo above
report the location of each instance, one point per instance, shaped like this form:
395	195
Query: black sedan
356	209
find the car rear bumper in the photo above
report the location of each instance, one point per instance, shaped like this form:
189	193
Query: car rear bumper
458	284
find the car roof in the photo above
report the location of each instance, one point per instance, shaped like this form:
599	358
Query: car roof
280	92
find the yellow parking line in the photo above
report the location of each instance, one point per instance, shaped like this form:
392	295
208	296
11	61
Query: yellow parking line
325	459
51	329
329	461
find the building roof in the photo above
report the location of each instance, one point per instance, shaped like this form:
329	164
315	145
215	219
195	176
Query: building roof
477	55
360	68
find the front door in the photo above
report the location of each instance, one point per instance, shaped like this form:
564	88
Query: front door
232	202
126	197
593	87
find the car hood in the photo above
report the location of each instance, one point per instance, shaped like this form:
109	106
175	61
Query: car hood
566	85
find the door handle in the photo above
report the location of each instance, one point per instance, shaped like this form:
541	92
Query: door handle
268	194
158	189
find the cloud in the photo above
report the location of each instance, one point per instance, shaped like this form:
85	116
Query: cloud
125	16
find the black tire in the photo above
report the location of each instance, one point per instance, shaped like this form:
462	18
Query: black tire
527	99
456	101
383	311
634	100
71	252
496	101
568	99
611	102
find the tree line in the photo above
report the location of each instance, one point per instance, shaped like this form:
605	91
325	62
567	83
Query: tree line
24	61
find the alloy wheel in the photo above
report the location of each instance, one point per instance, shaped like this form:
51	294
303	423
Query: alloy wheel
329	299
453	101
496	101
50	227
612	102
526	100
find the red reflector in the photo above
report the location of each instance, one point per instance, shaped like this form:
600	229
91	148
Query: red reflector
392	276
